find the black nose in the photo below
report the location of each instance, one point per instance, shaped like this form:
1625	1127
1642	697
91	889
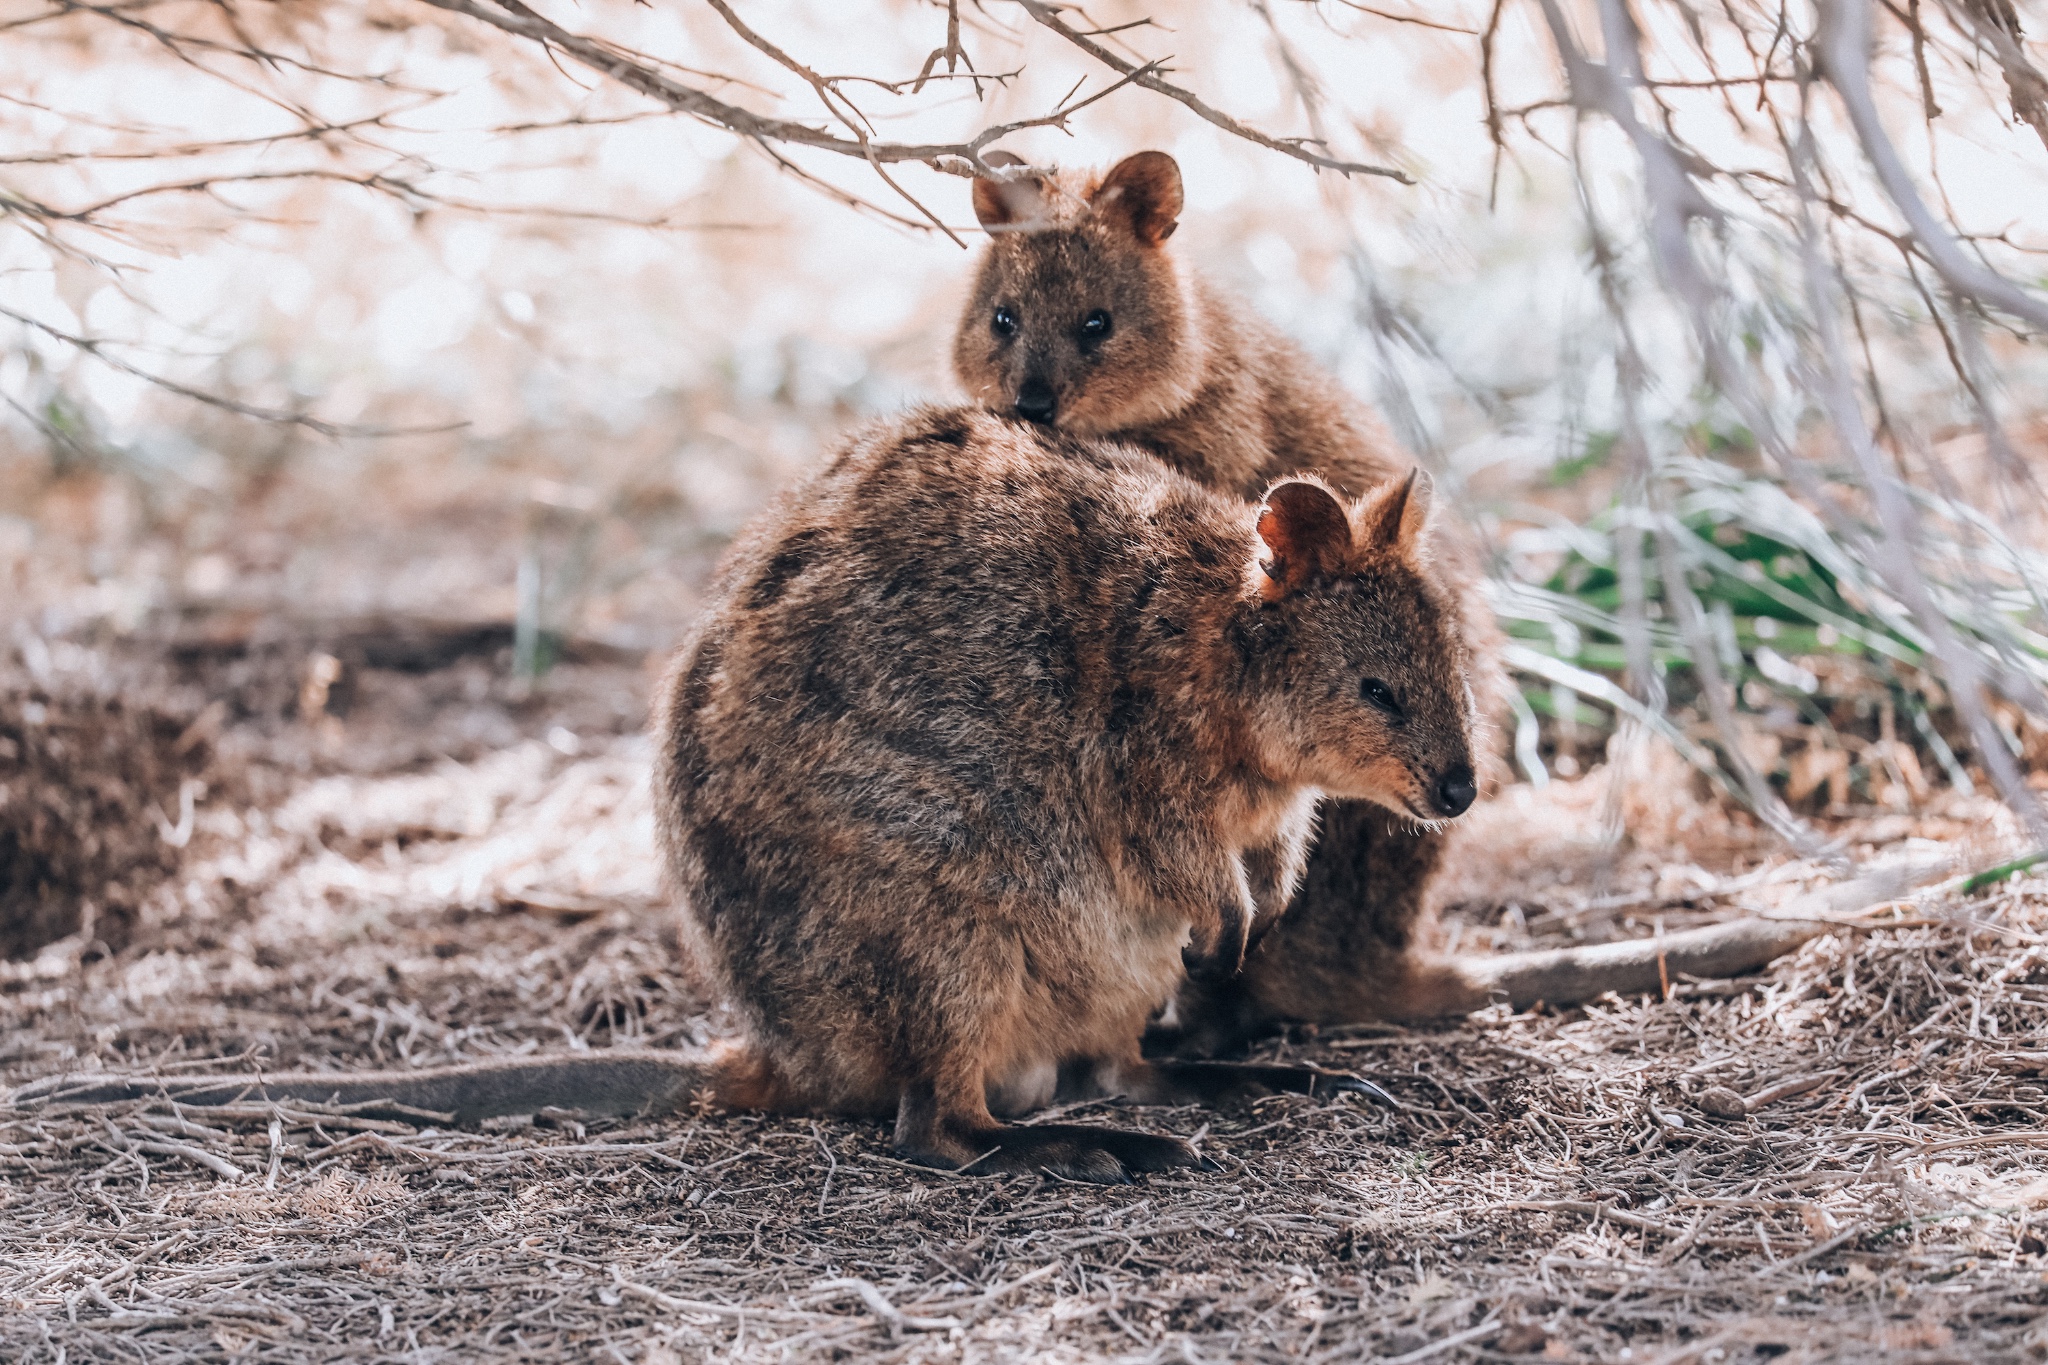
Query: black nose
1034	400
1454	790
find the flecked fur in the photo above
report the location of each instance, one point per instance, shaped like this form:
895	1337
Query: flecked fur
988	726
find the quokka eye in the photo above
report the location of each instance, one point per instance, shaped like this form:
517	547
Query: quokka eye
1004	323
1095	328
1380	695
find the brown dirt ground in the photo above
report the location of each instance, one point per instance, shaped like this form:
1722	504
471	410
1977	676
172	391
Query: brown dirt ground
464	868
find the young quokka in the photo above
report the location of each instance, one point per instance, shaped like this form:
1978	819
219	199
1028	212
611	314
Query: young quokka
1082	320
989	727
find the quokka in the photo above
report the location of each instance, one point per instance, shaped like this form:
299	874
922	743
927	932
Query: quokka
991	736
1081	319
994	725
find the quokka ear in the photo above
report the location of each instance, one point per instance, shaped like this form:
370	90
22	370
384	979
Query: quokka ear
1307	535
1144	192
1394	517
1008	204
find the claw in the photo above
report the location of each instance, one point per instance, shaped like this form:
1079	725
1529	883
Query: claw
1341	1083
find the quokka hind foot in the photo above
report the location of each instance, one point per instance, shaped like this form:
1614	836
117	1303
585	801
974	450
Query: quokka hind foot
946	1125
1220	1084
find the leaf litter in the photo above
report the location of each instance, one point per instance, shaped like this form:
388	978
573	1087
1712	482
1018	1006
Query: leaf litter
1840	1159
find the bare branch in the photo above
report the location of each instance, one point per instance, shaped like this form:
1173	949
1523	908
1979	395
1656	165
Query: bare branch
99	351
183	45
837	104
1414	19
1048	16
639	73
1844	42
1491	94
1996	25
312	132
952	53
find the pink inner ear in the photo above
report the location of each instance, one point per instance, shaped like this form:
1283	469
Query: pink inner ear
1307	530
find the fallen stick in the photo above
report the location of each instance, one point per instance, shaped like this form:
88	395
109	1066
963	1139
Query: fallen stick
1649	966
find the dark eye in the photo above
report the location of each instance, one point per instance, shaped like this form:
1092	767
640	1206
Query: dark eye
1380	695
1004	323
1094	328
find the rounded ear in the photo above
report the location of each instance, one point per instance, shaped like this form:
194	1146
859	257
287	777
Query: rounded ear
1144	192
1394	516
1001	204
1307	533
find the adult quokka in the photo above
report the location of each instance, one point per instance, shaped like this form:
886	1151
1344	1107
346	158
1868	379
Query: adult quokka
989	735
991	727
1081	319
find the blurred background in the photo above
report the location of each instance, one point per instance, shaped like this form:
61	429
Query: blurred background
379	382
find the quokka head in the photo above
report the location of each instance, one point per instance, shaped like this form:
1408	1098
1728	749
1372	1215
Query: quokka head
1079	318
1356	660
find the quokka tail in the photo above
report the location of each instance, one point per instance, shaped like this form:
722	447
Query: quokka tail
620	1082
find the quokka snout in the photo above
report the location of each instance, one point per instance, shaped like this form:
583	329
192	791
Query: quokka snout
992	731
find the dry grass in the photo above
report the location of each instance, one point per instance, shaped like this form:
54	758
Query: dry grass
1836	1161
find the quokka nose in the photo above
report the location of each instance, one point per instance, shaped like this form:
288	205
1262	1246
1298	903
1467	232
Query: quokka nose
1034	400
1454	790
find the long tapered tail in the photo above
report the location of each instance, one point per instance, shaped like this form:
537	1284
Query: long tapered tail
598	1082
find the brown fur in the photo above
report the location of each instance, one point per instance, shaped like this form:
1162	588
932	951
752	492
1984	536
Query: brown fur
987	725
1199	380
